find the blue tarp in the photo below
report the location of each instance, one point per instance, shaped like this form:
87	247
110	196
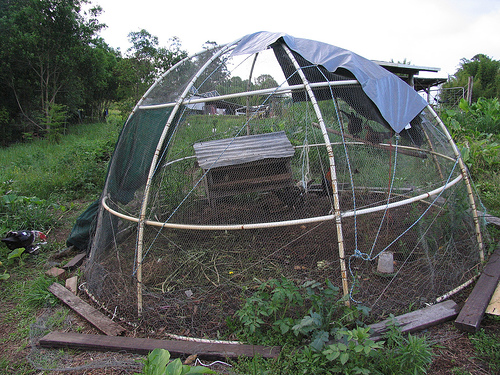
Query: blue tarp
395	99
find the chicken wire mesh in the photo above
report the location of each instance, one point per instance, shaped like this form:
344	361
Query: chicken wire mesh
233	170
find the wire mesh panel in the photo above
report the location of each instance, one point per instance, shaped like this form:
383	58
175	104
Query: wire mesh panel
237	169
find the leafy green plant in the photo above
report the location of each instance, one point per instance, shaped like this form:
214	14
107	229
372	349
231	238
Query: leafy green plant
16	253
352	351
115	117
281	311
326	305
484	112
270	311
54	121
158	363
404	354
476	129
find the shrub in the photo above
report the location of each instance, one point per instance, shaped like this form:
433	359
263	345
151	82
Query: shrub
158	363
281	311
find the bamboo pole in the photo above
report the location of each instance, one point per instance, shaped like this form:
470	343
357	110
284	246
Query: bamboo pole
438	166
103	201
263	92
465	175
276	224
456	290
333	172
152	169
248	89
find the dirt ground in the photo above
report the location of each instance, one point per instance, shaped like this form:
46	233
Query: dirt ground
453	349
217	268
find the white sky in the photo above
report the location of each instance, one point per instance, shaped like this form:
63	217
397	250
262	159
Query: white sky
432	33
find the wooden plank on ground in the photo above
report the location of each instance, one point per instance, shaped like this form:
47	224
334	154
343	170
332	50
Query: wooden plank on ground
474	308
56	272
215	350
494	305
75	262
98	320
420	319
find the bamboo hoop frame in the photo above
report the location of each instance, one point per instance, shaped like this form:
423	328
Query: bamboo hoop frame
274	90
154	162
337	215
346	214
276	224
333	172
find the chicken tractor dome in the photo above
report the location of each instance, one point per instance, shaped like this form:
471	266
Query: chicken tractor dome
278	157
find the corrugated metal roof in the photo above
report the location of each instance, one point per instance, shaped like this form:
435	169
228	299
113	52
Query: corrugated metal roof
245	149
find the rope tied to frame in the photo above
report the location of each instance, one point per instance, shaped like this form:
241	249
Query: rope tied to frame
360	254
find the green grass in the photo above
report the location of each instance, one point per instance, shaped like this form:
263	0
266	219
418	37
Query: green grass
43	186
24	295
72	169
487	345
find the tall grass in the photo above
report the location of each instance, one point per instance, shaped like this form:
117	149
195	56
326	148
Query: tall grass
476	130
72	169
40	180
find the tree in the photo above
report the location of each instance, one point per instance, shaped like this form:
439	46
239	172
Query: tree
169	56
44	49
97	76
145	62
265	81
486	73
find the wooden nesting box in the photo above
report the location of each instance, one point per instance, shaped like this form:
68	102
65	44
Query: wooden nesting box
245	164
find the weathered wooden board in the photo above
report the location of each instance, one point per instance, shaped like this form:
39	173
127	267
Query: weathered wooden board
474	308
94	317
143	346
56	272
494	305
75	262
420	319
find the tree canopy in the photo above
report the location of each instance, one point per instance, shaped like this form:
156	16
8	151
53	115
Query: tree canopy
55	68
45	54
144	62
486	76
